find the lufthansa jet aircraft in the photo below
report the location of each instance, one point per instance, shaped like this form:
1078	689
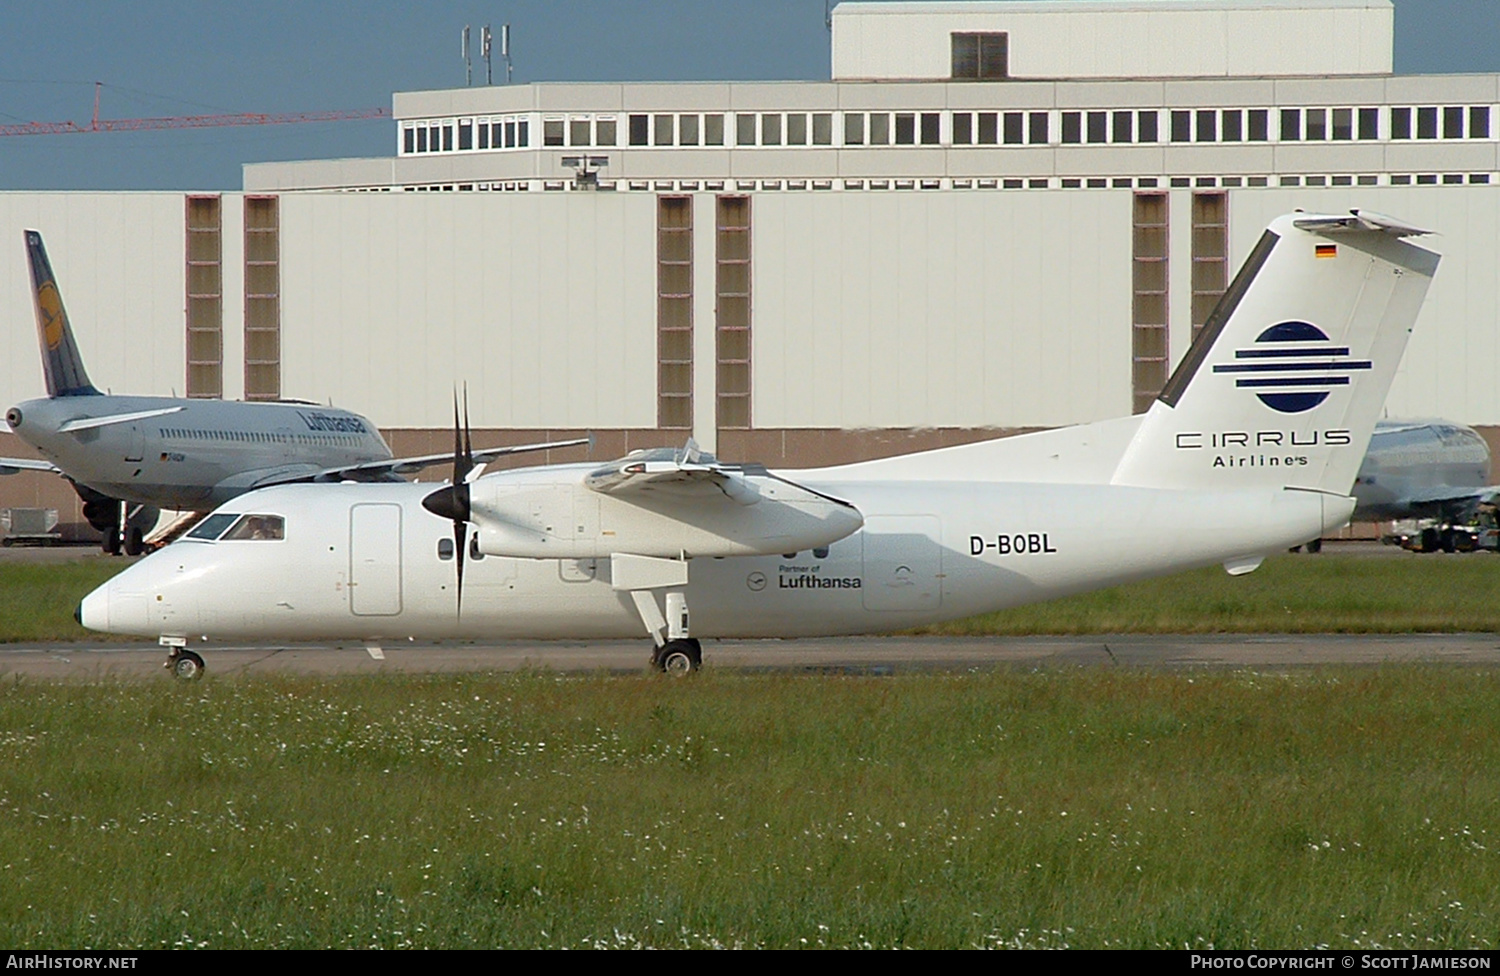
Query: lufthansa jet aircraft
128	456
1253	444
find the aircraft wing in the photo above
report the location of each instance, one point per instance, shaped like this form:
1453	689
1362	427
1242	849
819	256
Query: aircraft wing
17	465
375	470
1442	494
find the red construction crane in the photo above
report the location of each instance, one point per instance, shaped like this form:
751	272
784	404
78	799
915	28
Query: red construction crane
184	121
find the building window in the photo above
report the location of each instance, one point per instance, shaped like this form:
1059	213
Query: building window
1453	122
1123	129
796	129
579	133
744	124
1231	128
1260	125
1037	125
1182	126
552	132
1014	128
880	129
640	130
1210	254
932	132
854	129
963	131
1369	123
604	132
1479	122
732	311
1072	127
664	133
906	129
977	56
1146	125
408	140
674	312
205	297
770	129
1208	121
713	130
822	131
1317	124
1291	124
1096	126
1343	124
1149	304
466	134
1427	122
262	299
1400	123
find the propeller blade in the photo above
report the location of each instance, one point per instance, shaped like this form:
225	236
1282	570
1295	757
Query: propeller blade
452	501
461	544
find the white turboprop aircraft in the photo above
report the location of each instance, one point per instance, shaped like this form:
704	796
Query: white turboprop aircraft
1251	448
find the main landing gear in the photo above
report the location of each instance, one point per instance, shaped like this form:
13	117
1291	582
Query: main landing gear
183	663
678	657
673	651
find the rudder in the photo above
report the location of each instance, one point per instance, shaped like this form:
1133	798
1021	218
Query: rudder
62	366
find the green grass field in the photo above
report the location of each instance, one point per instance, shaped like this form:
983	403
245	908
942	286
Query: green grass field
1329	807
1345	807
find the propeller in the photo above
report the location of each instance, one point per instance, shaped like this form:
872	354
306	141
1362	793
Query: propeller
452	500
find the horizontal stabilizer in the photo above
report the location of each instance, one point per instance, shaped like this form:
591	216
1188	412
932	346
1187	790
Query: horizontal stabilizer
90	423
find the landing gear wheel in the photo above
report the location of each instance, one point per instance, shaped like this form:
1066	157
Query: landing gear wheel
111	543
679	657
1315	546
135	544
185	665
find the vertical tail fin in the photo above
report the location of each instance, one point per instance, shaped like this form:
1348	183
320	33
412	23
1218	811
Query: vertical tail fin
61	365
1283	386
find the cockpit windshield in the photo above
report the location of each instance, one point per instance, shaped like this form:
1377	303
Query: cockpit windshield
240	527
212	527
258	527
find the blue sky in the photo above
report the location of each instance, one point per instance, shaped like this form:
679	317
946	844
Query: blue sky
173	57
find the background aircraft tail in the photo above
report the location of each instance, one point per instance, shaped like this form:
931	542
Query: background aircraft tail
61	364
1283	385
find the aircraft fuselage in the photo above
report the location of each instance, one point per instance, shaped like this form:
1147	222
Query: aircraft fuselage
191	454
366	562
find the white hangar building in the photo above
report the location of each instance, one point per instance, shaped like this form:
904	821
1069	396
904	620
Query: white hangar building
995	216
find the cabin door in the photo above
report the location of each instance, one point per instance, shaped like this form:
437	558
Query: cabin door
375	560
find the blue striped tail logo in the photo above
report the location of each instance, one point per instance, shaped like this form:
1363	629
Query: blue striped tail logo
1292	367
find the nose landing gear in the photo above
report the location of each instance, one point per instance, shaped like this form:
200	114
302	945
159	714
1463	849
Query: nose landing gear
184	664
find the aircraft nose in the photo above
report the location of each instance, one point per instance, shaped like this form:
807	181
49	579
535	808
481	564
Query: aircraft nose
93	610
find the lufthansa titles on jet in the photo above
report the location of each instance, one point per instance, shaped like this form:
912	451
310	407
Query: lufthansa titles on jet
1012	544
329	422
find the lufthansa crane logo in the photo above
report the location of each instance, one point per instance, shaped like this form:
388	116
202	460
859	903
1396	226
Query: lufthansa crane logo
1292	367
50	304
